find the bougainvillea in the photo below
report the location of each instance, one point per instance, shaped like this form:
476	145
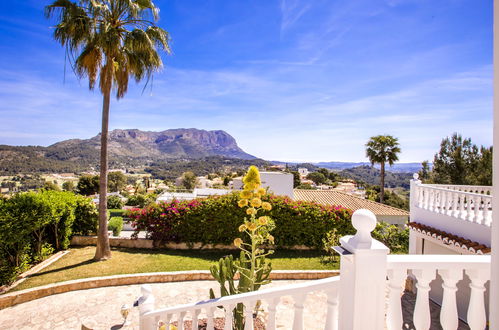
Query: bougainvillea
216	220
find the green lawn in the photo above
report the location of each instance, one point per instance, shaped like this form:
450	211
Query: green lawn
78	263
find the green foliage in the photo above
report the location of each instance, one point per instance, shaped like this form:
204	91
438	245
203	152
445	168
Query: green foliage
395	238
461	162
116	181
68	186
116	225
306	186
50	186
392	199
189	180
114	202
32	226
296	179
214	220
371	176
88	185
317	177
116	212
140	200
86	217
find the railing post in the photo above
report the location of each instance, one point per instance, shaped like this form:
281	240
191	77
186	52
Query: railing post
414	194
146	304
363	277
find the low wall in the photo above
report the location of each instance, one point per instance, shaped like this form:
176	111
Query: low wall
143	243
19	297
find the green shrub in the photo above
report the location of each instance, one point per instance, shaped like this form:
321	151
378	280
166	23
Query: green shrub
116	212
216	220
114	202
395	238
116	225
86	217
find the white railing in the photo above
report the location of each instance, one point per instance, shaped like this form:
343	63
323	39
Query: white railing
150	320
425	268
357	299
469	203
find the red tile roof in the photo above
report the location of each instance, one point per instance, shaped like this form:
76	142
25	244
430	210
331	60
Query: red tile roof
448	238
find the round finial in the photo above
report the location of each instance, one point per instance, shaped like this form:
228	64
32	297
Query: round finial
364	221
415	176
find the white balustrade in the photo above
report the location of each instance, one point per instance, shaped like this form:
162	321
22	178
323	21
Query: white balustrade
450	268
469	203
150	319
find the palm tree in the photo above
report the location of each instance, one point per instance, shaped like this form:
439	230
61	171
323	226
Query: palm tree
109	40
382	149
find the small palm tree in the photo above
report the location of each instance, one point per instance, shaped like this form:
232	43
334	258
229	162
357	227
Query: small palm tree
109	40
382	149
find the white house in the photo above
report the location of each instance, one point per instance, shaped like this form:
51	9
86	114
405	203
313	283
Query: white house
279	183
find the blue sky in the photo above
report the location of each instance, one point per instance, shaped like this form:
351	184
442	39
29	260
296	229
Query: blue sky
291	80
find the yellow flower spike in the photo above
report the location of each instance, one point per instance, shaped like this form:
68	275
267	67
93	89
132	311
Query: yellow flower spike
242	227
263	220
266	206
270	238
261	191
243	203
256	202
252	176
238	242
252	226
251	211
246	194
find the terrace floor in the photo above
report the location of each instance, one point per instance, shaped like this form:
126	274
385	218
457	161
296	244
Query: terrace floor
100	308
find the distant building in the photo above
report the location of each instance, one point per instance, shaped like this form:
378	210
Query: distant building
303	171
383	212
278	183
168	196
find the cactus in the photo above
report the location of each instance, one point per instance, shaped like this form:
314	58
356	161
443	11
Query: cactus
252	266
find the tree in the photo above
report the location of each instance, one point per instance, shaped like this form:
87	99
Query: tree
50	186
382	149
424	173
189	180
110	41
88	185
68	186
296	179
116	181
317	177
461	162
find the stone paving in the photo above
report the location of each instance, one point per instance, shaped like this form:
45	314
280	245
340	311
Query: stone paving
100	308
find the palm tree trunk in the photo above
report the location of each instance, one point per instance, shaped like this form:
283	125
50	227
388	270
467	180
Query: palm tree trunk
103	250
382	184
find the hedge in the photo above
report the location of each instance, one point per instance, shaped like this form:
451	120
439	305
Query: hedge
116	225
34	224
216	220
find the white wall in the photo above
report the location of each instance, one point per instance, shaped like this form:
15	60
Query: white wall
279	183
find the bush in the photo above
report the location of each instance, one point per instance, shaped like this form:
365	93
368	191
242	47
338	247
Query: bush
395	238
114	202
34	224
86	217
216	220
116	225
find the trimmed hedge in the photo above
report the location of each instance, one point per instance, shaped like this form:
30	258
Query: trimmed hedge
34	224
216	220
116	225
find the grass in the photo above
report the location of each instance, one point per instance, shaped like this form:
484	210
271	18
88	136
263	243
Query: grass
78	263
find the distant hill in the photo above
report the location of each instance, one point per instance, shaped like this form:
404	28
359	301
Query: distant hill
337	166
371	175
131	147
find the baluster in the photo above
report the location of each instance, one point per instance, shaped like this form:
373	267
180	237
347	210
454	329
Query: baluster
478	204
332	309
298	319
431	201
476	310
443	202
229	310
470	213
462	211
248	316
210	324
426	198
456	205
180	322
448	313
422	319
420	196
272	310
195	319
394	320
487	215
448	204
168	319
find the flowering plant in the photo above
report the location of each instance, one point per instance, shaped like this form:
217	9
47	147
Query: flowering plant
252	266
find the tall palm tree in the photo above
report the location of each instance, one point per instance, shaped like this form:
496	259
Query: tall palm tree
382	149
109	40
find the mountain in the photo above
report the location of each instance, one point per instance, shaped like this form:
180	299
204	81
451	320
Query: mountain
371	175
130	147
338	166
